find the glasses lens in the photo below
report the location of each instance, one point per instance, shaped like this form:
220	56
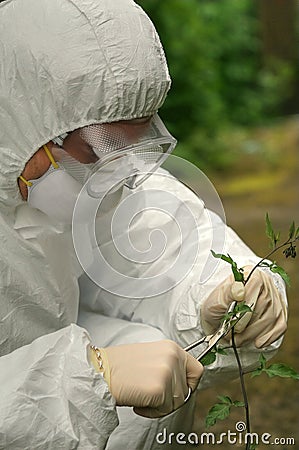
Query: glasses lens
107	138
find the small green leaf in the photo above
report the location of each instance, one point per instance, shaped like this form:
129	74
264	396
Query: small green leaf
208	359
253	446
269	230
280	270
238	404
225	399
292	230
217	255
238	275
242	308
221	351
275	370
225	258
227	316
261	368
219	411
257	372
297	233
265	264
262	361
281	370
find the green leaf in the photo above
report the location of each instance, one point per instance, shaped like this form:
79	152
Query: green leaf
269	230
208	359
227	316
238	275
219	411
275	370
262	361
292	230
242	308
261	368
225	258
253	446
238	404
264	264
297	233
257	372
280	270
221	351
281	370
225	399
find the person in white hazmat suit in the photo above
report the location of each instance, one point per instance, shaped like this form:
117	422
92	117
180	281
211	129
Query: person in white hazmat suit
80	80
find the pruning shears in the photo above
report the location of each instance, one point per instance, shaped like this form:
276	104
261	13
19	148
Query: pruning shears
212	339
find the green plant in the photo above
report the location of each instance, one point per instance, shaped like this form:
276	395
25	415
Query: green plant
222	409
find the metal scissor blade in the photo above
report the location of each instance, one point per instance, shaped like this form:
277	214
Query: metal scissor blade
213	339
198	342
212	342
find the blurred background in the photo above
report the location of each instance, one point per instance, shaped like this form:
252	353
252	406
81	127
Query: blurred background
234	109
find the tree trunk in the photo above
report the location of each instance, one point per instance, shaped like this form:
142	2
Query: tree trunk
279	32
278	28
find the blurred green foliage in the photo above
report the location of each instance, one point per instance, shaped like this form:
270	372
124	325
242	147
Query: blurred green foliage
213	50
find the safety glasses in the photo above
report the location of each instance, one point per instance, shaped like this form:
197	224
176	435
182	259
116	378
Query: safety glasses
144	146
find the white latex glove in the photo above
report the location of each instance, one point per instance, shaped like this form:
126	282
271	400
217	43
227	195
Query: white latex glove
268	320
153	377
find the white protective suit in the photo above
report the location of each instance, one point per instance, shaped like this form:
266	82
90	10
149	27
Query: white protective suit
66	64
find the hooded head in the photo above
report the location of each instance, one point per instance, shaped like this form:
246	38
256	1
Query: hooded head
68	64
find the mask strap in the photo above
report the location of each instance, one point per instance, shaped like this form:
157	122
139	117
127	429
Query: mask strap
52	160
28	183
50	156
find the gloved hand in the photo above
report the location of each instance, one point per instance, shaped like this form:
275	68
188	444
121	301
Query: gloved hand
268	320
153	377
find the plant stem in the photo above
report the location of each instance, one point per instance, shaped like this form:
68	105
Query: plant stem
243	387
288	242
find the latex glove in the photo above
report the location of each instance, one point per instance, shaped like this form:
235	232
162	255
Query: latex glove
152	377
268	320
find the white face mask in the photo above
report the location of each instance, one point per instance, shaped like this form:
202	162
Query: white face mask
55	194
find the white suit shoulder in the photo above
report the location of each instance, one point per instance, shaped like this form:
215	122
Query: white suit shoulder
51	386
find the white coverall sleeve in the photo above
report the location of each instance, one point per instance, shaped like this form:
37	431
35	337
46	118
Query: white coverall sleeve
51	397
